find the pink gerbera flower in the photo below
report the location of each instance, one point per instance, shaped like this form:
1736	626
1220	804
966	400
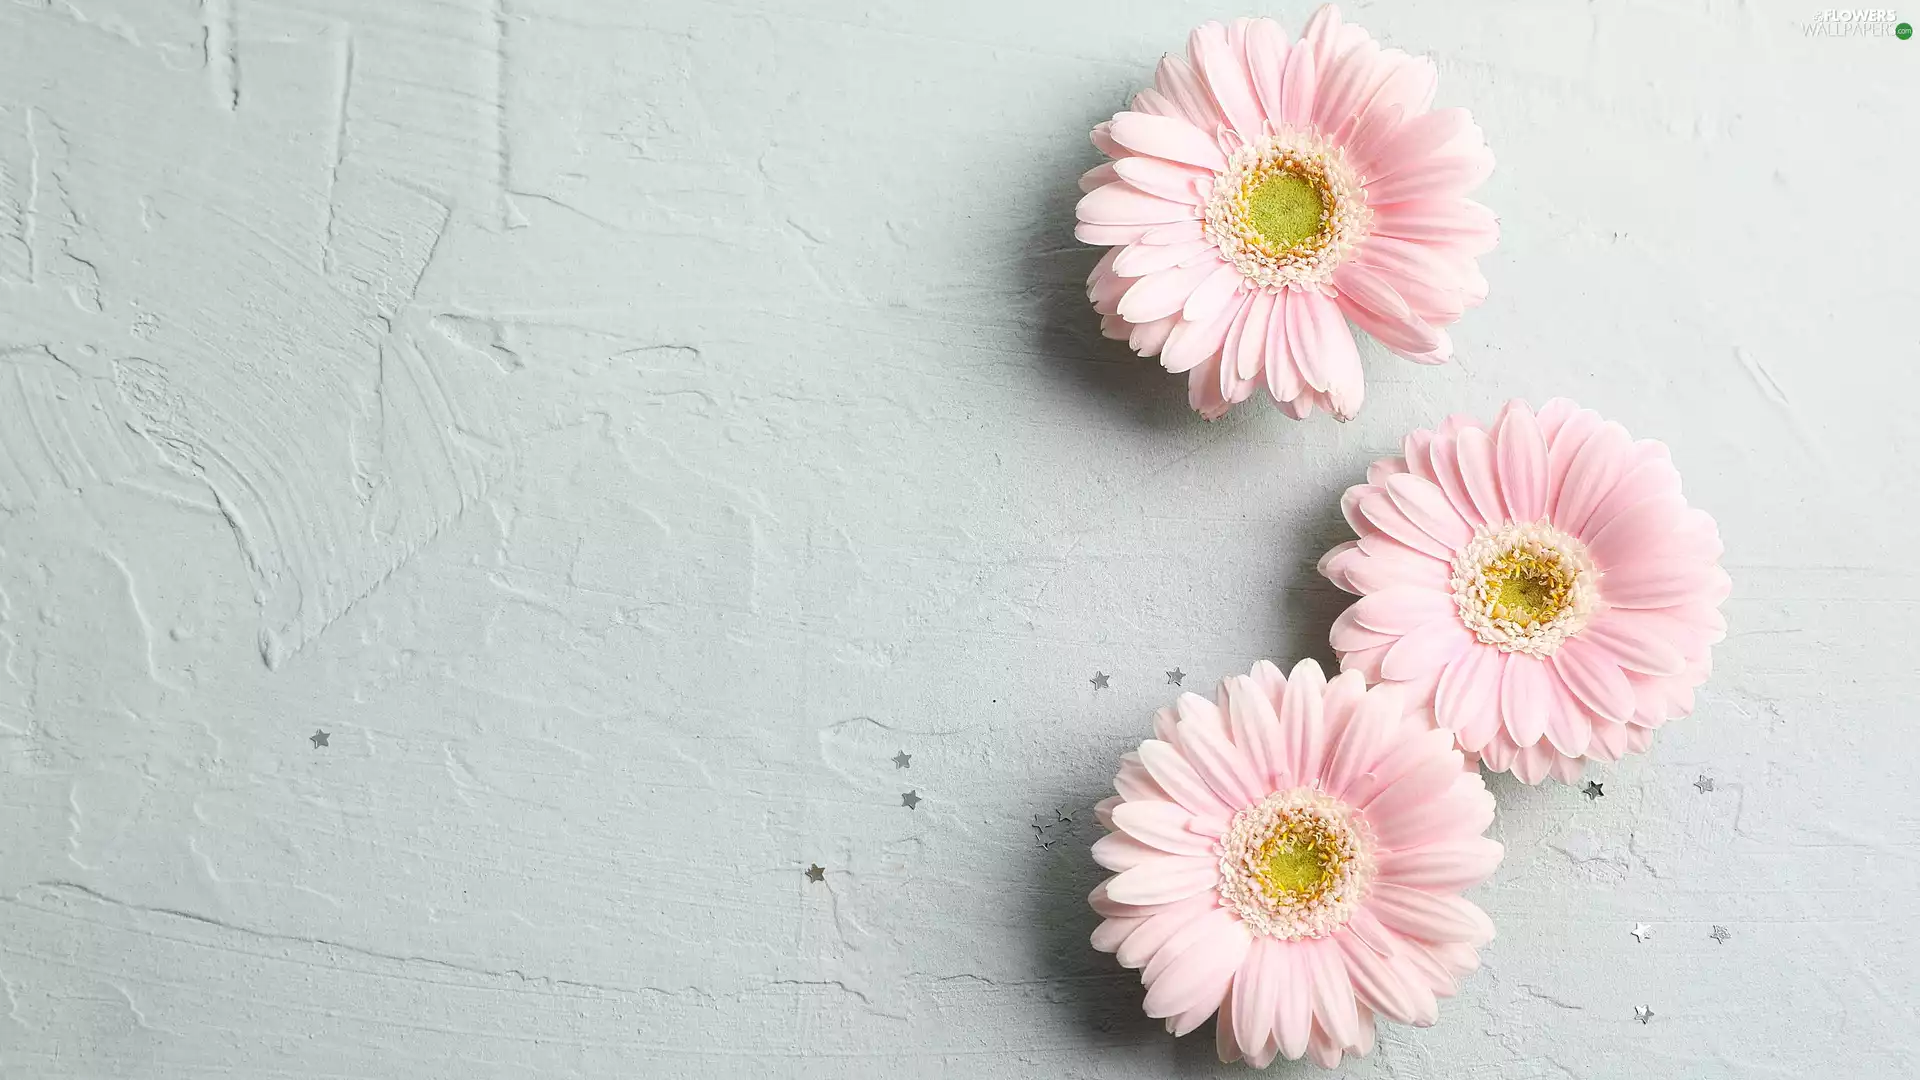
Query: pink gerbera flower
1265	193
1541	585
1292	857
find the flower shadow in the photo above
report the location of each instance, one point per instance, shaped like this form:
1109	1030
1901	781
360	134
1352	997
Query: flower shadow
1066	334
1309	603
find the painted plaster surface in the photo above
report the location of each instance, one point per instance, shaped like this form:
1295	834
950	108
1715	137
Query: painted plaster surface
623	427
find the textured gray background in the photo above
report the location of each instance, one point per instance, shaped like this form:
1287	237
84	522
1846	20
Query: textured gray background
624	426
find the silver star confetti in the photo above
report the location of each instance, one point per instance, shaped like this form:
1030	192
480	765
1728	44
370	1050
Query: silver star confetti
816	872
1705	783
902	760
910	800
1099	680
1643	1013
1720	934
1060	816
318	738
1641	932
1592	791
1174	676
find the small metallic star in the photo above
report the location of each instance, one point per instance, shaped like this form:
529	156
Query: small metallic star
1174	676
1099	680
1059	817
1641	932
1643	1013
902	760
1592	791
816	872
1720	934
1705	783
318	738
910	800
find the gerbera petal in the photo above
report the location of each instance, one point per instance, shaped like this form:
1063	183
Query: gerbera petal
1375	981
1368	289
1161	825
1224	68
1256	992
1426	505
1176	232
1098	177
1414	140
1453	866
1634	642
1373	724
1459	223
1639	529
1293	1012
1284	381
1401	611
1141	259
1429	917
1167	138
1377	571
1267	49
1177	80
1194	342
1256	728
1165	879
1135	784
1217	761
1333	1005
1201	975
1172	772
1297	89
1531	764
1167	180
1302	723
1112	933
1525	697
1246	351
1146	942
1165	292
1195	932
1120	203
1646	481
1366	928
1602	461
1315	334
1652	583
1480	471
1595	679
1225	1046
1088	233
1569	724
1203	390
1467	701
1523	464
1342	85
1408	336
1119	852
1436	177
1426	649
1381	511
1215	292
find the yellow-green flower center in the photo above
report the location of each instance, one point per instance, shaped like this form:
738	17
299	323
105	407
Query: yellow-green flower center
1528	588
1295	865
1286	209
1524	587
